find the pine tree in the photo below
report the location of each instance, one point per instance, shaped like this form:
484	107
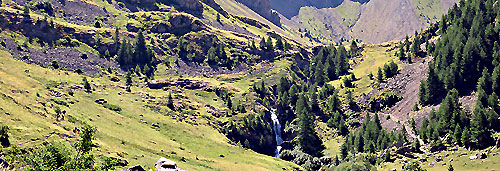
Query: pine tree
319	75
450	168
262	44
128	78
466	137
358	143
279	44
269	44
86	85
4	135
354	48
380	75
170	101
343	151
457	135
495	78
308	140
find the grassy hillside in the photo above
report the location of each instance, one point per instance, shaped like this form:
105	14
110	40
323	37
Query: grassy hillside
193	143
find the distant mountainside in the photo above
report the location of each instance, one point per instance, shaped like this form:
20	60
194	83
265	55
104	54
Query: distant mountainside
332	21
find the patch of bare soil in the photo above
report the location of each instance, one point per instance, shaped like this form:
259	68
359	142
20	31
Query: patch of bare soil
407	84
68	59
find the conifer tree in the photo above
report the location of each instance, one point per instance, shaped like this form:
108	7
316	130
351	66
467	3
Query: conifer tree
308	140
279	44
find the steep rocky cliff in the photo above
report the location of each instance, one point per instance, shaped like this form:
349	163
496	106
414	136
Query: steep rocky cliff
290	8
262	7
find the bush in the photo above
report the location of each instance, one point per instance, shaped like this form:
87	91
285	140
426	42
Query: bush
4	135
84	55
112	107
54	64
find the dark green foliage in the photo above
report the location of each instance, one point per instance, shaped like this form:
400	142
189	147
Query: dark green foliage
401	53
45	6
4	135
53	156
139	53
380	75
354	51
279	44
328	64
269	44
86	85
54	64
26	11
308	140
371	137
468	44
218	17
390	69
170	101
84	55
112	107
253	132
413	166
87	135
450	167
430	88
128	78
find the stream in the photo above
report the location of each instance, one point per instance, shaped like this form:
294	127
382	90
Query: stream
277	132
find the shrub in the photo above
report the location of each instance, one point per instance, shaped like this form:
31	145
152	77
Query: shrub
84	55
112	107
54	64
4	135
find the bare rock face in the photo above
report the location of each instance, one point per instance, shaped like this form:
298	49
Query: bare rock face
190	4
262	7
179	25
290	8
385	20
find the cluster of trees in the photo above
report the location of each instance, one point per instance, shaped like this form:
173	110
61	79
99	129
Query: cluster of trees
370	138
216	55
308	140
338	122
54	156
388	71
475	132
468	44
138	54
226	97
329	64
252	132
267	45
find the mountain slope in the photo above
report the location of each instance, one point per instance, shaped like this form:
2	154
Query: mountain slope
385	20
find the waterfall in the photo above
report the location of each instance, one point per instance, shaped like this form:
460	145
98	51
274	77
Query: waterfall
277	132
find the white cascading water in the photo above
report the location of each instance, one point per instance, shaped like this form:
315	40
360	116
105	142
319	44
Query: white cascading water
277	132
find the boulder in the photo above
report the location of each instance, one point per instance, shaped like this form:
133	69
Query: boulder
164	164
136	168
481	155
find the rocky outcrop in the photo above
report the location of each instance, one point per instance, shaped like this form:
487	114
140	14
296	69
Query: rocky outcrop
290	8
136	168
190	4
184	83
179	24
262	7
